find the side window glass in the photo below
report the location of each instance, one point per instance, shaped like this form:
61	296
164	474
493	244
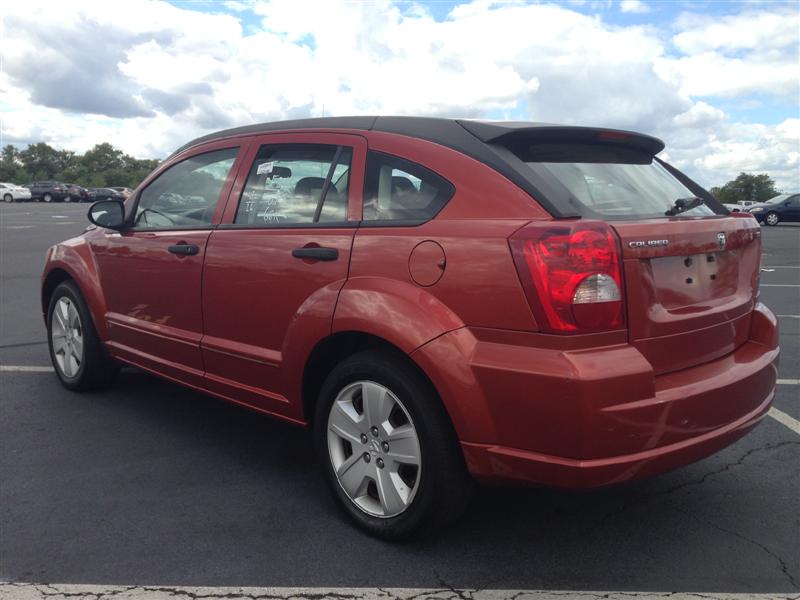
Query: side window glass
186	195
296	183
398	190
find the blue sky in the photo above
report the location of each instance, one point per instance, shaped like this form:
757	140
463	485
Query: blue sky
718	81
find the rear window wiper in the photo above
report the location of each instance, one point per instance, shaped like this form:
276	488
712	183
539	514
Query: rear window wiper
684	204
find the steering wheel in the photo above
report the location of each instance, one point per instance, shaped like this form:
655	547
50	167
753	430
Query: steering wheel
157	212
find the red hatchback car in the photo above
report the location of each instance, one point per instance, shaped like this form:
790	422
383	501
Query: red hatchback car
440	300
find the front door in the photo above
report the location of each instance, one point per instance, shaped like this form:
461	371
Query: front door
275	266
151	272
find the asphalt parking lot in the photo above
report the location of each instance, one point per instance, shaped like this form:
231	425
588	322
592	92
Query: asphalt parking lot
149	483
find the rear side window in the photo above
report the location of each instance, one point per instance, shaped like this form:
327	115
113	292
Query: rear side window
609	181
398	190
291	184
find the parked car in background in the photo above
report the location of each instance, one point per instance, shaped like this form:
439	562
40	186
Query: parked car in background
96	194
76	193
123	190
11	192
784	207
48	191
733	207
437	299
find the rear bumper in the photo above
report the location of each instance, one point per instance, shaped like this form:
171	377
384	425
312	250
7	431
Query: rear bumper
511	464
594	417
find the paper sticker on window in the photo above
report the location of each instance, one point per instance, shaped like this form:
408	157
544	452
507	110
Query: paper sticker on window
265	168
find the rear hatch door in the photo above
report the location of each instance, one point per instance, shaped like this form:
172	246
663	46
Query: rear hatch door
690	286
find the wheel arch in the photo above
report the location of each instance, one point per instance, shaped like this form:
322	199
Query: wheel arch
72	261
339	346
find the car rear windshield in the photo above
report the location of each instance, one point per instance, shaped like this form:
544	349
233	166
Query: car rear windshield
609	182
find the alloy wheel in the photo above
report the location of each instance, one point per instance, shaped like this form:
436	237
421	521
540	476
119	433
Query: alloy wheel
47	198
772	219
8	198
66	332
374	449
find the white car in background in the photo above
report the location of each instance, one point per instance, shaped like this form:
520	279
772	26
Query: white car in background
11	192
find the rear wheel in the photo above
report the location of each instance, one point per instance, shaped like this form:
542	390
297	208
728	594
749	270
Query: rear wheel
772	219
387	448
77	354
47	198
8	198
67	198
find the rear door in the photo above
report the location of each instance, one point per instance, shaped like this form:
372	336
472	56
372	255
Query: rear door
274	268
691	284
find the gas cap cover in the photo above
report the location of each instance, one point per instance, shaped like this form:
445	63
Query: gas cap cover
427	263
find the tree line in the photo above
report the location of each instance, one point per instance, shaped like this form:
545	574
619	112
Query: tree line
102	166
759	188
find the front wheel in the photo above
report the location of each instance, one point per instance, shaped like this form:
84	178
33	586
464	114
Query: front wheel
8	198
387	447
47	198
772	219
67	198
75	348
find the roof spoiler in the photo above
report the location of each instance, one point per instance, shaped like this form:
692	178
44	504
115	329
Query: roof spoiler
509	132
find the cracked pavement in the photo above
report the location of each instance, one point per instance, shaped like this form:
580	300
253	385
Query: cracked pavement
150	490
90	592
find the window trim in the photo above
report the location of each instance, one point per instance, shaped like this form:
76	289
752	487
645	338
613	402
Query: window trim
404	222
239	144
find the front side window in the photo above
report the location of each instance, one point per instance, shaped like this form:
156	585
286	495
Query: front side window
294	184
398	190
184	196
609	182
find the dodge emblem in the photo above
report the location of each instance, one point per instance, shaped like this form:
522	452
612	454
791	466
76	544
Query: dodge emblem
721	240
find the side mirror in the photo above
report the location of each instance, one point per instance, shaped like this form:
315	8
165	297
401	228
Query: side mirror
108	213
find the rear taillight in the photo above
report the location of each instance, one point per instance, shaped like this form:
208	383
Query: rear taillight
571	274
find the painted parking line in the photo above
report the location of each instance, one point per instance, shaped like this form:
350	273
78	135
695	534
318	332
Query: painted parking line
788	316
780	285
101	592
784	419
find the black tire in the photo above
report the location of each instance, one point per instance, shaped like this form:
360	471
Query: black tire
772	216
47	198
96	368
444	486
8	198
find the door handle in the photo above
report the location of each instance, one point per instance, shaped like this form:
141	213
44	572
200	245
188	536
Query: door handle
184	249
316	253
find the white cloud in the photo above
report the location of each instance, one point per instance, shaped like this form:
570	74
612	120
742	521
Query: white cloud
735	55
633	6
160	74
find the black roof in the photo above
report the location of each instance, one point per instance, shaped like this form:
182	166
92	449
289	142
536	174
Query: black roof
485	141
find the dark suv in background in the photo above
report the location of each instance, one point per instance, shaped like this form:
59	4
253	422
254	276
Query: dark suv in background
48	191
76	193
96	194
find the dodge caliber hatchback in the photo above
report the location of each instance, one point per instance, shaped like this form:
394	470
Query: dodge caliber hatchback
440	301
